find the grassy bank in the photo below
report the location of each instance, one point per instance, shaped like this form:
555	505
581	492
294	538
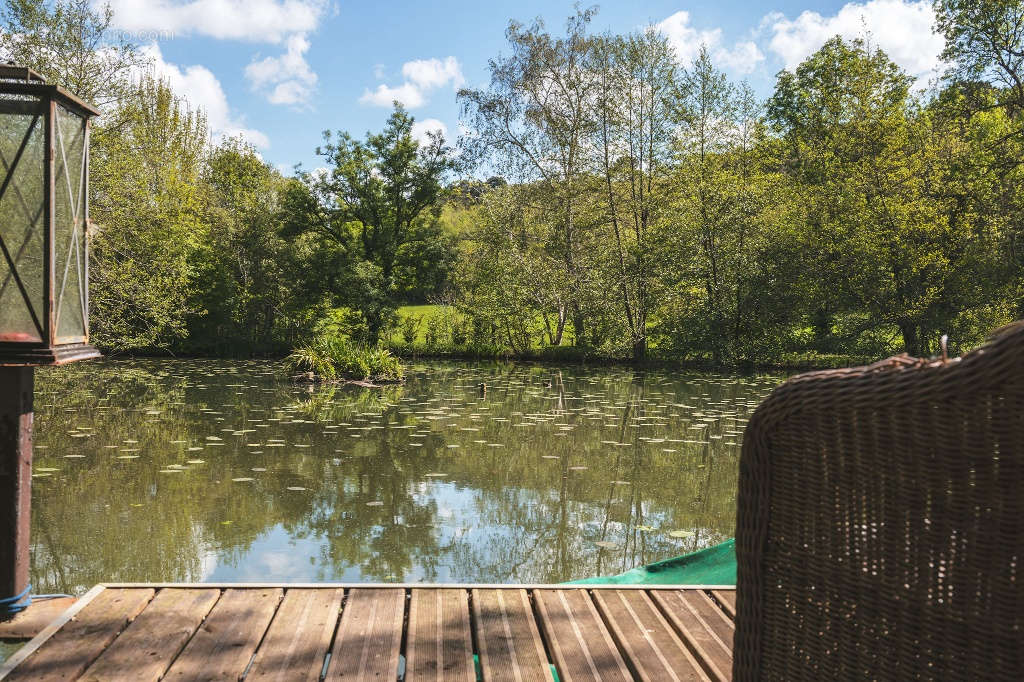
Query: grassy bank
437	331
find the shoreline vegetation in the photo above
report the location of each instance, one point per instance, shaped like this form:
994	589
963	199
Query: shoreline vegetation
338	360
650	211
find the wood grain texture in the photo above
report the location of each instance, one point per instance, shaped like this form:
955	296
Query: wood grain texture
32	620
369	637
652	648
727	599
439	645
702	626
224	644
296	644
581	645
510	646
149	645
71	650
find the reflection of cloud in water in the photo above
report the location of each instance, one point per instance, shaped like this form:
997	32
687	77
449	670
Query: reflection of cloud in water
237	474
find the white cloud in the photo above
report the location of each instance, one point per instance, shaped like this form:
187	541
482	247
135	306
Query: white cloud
428	74
428	125
287	79
406	93
266	21
202	90
743	57
421	77
902	28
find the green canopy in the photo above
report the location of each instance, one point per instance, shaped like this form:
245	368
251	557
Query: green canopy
712	566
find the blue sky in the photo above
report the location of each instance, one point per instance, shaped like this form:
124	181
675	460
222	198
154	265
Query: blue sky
281	71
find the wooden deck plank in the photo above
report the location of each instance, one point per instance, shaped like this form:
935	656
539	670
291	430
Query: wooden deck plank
49	631
716	619
223	646
149	645
32	620
204	632
510	646
296	644
369	637
653	650
581	645
66	654
439	644
727	599
702	626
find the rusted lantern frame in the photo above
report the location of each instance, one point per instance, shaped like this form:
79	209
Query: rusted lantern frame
50	351
24	93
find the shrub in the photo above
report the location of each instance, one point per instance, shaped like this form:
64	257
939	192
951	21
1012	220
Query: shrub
410	328
460	332
331	358
432	335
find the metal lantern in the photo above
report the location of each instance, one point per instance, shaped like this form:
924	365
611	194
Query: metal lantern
44	214
44	284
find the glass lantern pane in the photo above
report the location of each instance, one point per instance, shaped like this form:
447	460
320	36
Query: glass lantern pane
69	226
22	256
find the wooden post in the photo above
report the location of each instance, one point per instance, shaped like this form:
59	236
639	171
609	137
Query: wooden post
16	384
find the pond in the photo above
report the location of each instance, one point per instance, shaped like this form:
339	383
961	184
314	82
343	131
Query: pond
224	471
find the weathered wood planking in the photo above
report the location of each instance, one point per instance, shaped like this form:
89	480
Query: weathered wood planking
440	642
71	650
32	620
352	633
299	637
654	651
727	598
369	637
580	643
704	628
510	646
150	644
222	648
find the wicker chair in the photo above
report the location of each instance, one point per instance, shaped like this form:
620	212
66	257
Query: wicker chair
880	526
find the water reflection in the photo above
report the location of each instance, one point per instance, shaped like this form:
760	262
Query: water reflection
187	470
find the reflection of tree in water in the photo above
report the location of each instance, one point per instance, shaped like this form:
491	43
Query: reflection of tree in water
531	510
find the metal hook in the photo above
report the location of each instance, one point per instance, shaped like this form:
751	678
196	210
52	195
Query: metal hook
942	342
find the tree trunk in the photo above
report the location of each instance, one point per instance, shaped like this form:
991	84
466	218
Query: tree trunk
911	339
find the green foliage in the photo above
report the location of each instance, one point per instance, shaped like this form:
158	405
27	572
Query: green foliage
645	208
334	357
70	43
147	206
433	332
410	328
379	202
985	42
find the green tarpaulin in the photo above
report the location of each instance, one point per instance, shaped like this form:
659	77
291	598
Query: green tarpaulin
712	566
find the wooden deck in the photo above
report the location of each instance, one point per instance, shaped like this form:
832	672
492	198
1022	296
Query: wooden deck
385	633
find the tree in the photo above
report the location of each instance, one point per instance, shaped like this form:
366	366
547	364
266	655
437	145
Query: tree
372	202
862	154
249	283
71	44
147	206
985	41
984	104
634	135
535	122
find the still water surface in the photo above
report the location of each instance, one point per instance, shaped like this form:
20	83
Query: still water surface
196	470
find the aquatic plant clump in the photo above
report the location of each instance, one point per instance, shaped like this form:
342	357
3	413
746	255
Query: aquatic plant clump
335	358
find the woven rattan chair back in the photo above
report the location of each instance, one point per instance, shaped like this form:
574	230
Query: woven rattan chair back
880	522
